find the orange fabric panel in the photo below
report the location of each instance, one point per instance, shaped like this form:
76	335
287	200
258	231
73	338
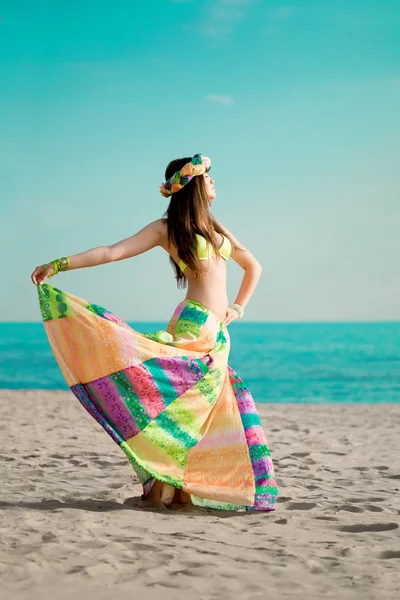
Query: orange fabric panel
219	466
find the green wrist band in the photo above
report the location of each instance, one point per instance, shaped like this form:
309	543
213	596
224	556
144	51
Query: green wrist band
60	264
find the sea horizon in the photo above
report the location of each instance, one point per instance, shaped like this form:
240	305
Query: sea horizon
279	322
302	362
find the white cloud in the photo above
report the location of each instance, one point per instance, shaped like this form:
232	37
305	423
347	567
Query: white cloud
226	100
278	16
218	17
227	10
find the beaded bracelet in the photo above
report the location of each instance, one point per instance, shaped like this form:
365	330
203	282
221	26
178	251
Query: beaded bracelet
60	264
238	309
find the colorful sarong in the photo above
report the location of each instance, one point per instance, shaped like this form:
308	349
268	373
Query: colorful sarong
167	398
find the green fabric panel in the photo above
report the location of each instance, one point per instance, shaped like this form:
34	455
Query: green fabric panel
131	399
162	380
53	303
250	419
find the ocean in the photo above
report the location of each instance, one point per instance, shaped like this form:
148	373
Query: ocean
279	362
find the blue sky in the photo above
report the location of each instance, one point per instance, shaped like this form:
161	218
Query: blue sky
296	103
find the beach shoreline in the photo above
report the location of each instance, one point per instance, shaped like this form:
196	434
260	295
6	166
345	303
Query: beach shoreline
69	522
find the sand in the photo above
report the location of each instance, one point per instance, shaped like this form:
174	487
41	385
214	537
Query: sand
69	524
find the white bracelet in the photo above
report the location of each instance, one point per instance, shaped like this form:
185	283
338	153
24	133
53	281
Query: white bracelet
238	309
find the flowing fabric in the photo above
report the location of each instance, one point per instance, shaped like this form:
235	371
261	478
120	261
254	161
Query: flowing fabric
167	398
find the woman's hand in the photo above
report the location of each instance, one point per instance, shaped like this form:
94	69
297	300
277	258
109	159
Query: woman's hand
231	315
40	273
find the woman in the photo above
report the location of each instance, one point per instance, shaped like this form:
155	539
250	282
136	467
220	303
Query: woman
183	417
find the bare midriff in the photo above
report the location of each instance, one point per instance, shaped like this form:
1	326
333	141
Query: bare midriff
210	291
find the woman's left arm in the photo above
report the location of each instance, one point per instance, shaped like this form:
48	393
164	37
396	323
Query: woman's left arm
252	269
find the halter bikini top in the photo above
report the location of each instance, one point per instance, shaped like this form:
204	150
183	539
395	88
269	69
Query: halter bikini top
203	250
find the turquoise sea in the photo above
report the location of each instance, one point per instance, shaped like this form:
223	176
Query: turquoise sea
279	362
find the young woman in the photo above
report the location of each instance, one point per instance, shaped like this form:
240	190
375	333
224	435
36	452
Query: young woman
184	418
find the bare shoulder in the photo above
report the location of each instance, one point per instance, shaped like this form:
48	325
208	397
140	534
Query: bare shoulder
155	230
240	253
158	229
160	225
150	236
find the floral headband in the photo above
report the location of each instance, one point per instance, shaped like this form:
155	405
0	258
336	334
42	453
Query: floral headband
197	166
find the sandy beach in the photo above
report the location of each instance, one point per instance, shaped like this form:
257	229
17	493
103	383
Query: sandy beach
69	521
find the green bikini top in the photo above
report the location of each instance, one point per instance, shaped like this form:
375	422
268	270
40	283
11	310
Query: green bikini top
204	253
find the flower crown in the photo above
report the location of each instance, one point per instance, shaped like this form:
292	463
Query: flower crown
197	166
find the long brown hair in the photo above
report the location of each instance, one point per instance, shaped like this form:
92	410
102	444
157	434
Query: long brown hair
187	214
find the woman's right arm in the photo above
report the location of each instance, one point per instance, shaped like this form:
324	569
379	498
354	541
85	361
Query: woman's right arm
142	241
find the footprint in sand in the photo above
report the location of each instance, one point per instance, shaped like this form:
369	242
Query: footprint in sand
104	463
374	499
389	554
351	508
300	454
301	505
142	547
363	528
373	508
49	537
76	463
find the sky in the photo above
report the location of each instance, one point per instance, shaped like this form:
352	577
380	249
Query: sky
297	104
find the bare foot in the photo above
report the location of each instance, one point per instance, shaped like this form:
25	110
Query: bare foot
185	497
151	503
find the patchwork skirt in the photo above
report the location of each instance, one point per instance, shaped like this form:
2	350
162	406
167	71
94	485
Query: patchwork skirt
168	398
